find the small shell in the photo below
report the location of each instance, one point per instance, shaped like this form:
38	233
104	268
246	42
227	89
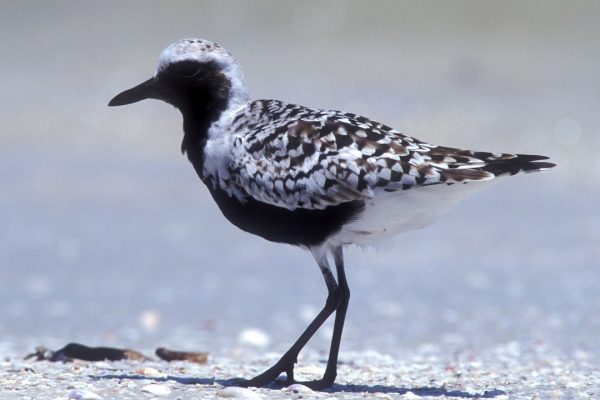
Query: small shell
83	394
234	392
157	390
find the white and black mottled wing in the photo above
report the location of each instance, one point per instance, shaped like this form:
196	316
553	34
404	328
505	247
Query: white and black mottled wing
297	157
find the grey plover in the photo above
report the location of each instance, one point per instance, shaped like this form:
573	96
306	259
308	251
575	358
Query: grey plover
319	179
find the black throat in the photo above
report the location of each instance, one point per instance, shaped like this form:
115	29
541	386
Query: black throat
201	92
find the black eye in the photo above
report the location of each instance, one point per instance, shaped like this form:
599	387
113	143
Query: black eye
185	68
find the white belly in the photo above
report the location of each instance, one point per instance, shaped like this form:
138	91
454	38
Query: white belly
395	212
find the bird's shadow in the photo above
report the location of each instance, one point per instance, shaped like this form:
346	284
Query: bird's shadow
348	388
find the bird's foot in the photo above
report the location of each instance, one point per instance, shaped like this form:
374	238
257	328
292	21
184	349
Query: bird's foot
271	375
284	365
319	384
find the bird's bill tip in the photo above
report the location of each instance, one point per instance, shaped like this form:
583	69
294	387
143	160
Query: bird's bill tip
145	90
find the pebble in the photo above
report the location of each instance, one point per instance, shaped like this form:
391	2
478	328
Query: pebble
150	320
83	394
156	389
234	392
253	337
103	364
298	388
410	395
149	371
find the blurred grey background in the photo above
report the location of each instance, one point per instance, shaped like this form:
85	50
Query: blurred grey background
107	236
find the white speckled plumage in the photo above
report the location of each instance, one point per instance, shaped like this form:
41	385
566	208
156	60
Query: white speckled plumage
315	158
296	157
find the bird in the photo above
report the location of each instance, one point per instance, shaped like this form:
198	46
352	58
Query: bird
318	179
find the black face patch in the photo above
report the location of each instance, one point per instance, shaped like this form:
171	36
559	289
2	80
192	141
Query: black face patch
201	92
190	82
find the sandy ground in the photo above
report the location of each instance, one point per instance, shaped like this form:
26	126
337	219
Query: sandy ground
506	371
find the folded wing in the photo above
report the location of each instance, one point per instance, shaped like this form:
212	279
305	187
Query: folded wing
296	157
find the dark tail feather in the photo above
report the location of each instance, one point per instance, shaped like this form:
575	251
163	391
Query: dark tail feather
519	163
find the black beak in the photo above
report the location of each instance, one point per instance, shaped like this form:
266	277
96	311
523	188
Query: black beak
145	90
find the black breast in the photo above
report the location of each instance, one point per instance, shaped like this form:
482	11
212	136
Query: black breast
277	224
300	227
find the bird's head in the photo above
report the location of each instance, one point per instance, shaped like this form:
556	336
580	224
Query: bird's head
194	75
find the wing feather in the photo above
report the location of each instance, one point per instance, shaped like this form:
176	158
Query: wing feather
297	157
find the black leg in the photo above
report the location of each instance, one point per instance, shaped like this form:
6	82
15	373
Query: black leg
340	316
286	363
